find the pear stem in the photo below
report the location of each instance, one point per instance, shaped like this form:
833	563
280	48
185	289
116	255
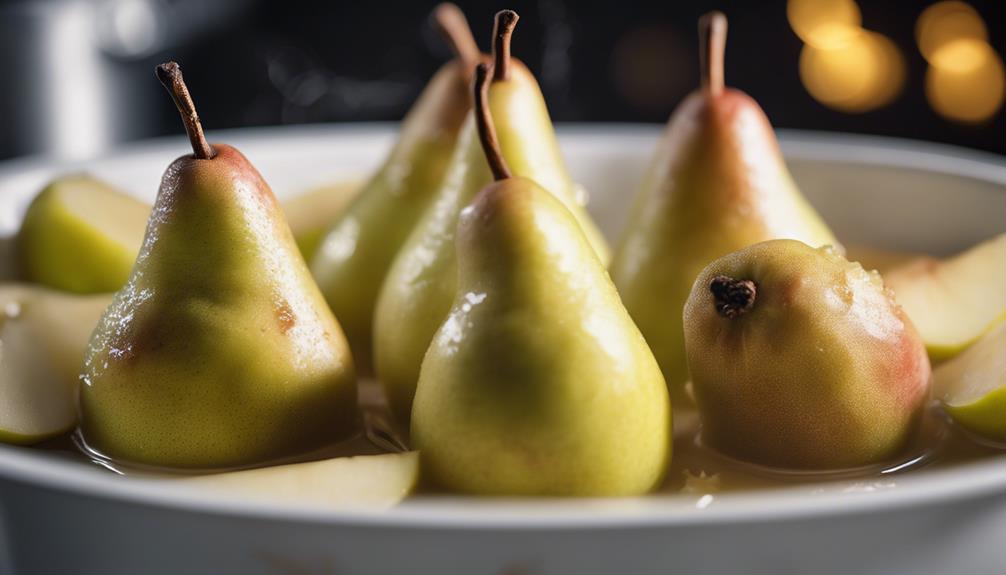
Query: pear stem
733	298
170	75
712	45
506	21
451	23
486	128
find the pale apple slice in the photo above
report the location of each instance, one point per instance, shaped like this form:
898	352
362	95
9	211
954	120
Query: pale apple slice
953	302
880	259
371	481
43	335
310	214
81	235
972	386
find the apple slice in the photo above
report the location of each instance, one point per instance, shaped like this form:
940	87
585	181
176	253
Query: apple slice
372	481
954	301
81	235
311	214
880	259
43	335
972	386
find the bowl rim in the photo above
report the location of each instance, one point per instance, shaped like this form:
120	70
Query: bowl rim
969	481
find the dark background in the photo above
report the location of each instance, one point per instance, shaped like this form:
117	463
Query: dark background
297	61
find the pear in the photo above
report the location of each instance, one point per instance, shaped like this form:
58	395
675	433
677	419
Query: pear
954	301
363	481
355	253
537	382
972	386
717	183
801	359
310	213
43	334
220	351
81	235
417	292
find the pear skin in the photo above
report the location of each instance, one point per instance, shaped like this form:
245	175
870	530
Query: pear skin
220	350
417	292
355	253
717	183
801	359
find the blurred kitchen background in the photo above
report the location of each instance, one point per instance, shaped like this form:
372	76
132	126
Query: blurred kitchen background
77	75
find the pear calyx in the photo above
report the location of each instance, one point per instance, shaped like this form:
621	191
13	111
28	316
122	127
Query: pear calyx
506	21
712	45
450	21
485	126
170	75
733	297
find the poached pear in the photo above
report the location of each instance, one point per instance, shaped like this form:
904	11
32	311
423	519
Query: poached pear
717	183
355	253
537	382
801	359
417	292
311	213
220	350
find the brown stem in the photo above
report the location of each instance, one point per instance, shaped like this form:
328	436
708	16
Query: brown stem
170	76
506	21
486	128
733	298
712	45
451	23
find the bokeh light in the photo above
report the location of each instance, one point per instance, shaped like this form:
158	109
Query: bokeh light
945	22
824	24
967	81
842	65
863	74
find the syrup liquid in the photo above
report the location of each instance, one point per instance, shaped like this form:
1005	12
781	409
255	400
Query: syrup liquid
695	470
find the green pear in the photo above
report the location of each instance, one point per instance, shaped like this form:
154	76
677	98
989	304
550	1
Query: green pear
417	292
81	235
972	386
717	183
311	213
43	335
954	301
220	351
537	382
363	481
801	359
355	253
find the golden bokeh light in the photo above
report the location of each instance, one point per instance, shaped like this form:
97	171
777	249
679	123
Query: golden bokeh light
863	74
945	22
967	81
825	24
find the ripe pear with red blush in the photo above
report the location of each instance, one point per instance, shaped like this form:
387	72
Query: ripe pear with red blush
801	359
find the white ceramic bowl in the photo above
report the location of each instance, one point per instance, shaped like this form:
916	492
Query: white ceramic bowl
61	516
